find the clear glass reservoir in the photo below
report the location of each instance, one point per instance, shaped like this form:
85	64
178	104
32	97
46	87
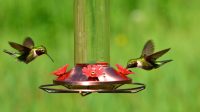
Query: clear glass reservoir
91	31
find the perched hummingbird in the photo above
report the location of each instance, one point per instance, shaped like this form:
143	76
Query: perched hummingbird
27	52
148	59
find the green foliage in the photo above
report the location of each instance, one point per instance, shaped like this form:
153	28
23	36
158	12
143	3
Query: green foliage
170	23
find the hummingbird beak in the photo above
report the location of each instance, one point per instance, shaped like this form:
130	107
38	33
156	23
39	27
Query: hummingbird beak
50	57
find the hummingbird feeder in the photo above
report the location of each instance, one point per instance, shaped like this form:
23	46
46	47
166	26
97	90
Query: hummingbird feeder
92	71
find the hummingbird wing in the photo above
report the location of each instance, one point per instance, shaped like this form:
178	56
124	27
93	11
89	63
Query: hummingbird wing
28	42
20	48
148	49
156	55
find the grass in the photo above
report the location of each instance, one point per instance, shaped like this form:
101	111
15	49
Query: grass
172	23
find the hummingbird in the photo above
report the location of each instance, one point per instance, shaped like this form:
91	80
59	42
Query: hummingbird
27	51
147	60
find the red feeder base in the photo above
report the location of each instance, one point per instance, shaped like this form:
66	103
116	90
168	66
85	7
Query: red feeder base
89	78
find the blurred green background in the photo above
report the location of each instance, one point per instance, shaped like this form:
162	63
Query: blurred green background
169	23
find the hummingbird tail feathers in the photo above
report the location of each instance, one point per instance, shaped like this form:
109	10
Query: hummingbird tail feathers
160	63
10	53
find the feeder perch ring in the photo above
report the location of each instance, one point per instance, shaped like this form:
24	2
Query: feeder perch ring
49	88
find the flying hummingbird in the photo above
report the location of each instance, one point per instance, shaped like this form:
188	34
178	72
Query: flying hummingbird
148	59
27	52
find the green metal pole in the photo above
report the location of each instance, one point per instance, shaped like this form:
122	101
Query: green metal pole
92	29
